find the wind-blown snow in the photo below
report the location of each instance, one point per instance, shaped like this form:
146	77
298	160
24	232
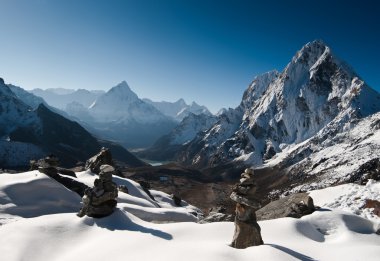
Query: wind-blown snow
38	222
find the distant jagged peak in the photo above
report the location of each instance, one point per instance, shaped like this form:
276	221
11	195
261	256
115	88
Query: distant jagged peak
181	102
122	85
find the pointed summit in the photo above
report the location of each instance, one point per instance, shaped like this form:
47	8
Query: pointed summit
121	92
122	86
181	102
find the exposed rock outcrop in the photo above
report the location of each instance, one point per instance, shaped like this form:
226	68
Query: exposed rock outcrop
296	206
217	215
49	166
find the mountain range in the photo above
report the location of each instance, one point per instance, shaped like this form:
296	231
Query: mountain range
299	121
30	130
119	114
315	124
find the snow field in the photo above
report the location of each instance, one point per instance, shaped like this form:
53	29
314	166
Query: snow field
44	226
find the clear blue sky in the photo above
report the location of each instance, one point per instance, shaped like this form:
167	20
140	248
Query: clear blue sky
202	50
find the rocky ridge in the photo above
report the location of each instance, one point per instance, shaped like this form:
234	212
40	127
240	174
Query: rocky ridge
315	119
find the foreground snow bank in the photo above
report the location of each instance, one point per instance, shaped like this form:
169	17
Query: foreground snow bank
325	235
328	234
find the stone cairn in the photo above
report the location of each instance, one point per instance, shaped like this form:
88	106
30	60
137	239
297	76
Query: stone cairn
247	230
47	165
100	201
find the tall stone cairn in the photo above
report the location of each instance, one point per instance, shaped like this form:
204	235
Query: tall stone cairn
100	200
247	230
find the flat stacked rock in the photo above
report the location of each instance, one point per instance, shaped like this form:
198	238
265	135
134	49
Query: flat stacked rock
47	165
100	201
247	230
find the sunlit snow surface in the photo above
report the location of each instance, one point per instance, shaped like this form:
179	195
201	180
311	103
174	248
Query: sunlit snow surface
38	222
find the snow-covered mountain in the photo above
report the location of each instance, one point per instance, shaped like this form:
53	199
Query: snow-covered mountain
120	115
179	110
314	100
31	131
36	209
121	104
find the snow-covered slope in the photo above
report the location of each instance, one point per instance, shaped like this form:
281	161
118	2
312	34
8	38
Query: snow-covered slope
39	223
179	110
332	157
316	93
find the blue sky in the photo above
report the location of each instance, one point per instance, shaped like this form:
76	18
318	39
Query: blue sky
201	50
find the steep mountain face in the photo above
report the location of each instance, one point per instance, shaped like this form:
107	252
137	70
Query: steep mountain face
166	147
332	157
179	110
119	115
31	134
60	98
121	104
316	93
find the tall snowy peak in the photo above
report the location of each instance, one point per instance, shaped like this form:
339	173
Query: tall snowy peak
314	89
120	93
121	104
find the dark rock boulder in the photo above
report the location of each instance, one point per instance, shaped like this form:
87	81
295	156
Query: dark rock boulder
49	166
66	172
177	200
296	206
104	157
